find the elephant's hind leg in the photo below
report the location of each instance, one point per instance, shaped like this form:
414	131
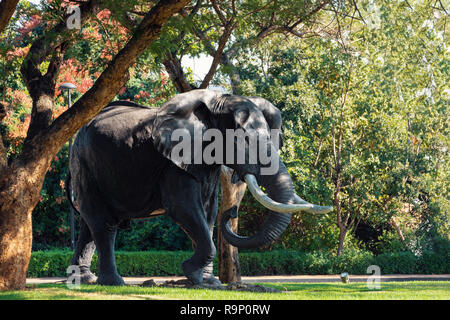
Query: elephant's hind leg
83	254
104	237
103	231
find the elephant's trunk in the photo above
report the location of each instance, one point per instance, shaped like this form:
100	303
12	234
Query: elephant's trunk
280	189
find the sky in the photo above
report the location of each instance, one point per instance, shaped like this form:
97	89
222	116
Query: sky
199	66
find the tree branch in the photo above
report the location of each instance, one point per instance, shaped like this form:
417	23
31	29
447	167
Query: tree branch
359	12
256	10
46	44
43	92
397	228
42	87
233	73
311	13
7	8
3	155
218	12
105	88
217	55
224	60
171	61
176	74
442	6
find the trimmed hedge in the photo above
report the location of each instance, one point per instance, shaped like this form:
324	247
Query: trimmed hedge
168	263
54	263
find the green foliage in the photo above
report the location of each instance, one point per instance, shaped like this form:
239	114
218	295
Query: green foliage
390	242
51	220
161	263
52	263
435	263
277	262
398	262
365	121
147	87
159	233
382	82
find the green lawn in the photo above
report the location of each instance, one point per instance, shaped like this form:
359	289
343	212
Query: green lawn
420	290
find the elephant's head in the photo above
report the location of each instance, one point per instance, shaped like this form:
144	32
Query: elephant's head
204	128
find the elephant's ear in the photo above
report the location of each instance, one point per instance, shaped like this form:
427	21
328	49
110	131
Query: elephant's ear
180	121
271	113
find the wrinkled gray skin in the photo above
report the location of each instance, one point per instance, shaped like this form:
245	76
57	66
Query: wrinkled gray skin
121	169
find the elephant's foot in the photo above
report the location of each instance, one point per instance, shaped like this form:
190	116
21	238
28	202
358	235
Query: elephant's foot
82	276
110	279
194	274
87	277
212	281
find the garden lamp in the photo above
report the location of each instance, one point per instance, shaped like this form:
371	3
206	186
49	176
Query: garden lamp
344	277
67	87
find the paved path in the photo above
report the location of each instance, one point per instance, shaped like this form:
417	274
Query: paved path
280	278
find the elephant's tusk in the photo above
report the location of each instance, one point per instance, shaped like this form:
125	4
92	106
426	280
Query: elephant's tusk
315	208
270	204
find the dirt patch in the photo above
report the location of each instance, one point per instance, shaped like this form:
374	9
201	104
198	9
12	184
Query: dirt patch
186	284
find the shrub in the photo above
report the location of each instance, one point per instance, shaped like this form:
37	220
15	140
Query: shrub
49	263
158	263
434	263
168	263
159	233
398	262
355	262
54	263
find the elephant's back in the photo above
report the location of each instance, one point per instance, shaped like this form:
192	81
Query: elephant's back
120	129
122	119
115	150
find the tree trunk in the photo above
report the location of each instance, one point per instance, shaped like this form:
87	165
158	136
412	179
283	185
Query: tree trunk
176	74
21	181
397	229
20	187
7	8
3	156
232	194
342	234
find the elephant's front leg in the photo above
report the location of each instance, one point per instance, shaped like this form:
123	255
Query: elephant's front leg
208	271
208	276
194	224
210	201
181	195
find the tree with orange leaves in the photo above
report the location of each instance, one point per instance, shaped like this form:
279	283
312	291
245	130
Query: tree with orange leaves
21	177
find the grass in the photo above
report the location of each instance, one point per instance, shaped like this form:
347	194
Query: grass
413	290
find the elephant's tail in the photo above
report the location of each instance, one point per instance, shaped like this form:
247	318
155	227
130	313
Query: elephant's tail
68	184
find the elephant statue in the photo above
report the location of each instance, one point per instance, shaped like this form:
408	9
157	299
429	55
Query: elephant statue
125	164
